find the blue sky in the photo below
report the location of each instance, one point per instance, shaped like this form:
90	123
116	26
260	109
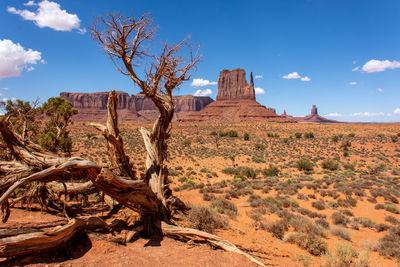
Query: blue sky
341	55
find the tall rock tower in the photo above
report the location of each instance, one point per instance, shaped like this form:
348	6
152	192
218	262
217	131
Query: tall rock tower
232	85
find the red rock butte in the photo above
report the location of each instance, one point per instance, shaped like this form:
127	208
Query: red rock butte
314	117
236	101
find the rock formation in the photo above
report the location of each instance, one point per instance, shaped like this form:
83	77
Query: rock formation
235	102
232	85
93	106
314	117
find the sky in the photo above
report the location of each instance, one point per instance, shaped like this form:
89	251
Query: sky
341	55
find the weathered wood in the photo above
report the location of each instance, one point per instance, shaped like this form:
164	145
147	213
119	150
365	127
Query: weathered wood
118	159
189	233
43	241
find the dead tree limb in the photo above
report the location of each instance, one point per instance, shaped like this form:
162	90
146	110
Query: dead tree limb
119	161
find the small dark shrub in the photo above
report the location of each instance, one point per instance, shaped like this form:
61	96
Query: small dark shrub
224	206
330	164
339	218
205	219
341	232
304	165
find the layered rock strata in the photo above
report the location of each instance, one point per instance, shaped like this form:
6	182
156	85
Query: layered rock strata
93	106
314	117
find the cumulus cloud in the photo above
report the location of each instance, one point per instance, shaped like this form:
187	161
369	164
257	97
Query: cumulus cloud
380	90
259	91
396	111
293	75
296	75
380	65
49	14
356	69
352	83
14	59
201	82
258	76
205	92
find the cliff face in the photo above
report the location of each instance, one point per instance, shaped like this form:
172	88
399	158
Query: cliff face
232	85
236	101
93	106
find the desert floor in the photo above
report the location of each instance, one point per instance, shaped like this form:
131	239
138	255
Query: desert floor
290	195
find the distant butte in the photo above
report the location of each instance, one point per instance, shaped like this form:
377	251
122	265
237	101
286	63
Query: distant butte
93	106
236	101
314	117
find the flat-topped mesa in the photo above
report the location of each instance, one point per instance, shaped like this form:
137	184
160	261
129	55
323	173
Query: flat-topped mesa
93	106
232	85
314	110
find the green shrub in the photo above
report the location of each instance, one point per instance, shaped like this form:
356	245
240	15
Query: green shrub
309	135
298	135
342	256
246	136
304	165
270	171
389	245
187	142
312	243
330	164
339	218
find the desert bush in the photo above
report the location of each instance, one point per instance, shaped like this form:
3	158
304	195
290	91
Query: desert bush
335	138
309	135
349	166
392	220
298	135
340	232
246	136
270	171
345	145
278	229
312	243
330	164
224	206
322	222
394	138
365	222
346	256
339	218
380	227
304	165
187	142
376	168
213	133
389	245
319	205
392	208
205	219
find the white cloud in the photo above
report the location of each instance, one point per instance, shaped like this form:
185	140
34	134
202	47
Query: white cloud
356	69
201	82
370	114
352	83
380	65
396	111
380	90
29	3
259	91
5	88
49	14
296	75
293	75
334	114
204	92
14	59
258	76
1	94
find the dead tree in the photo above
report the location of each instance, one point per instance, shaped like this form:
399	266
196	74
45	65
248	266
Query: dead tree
127	41
124	40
